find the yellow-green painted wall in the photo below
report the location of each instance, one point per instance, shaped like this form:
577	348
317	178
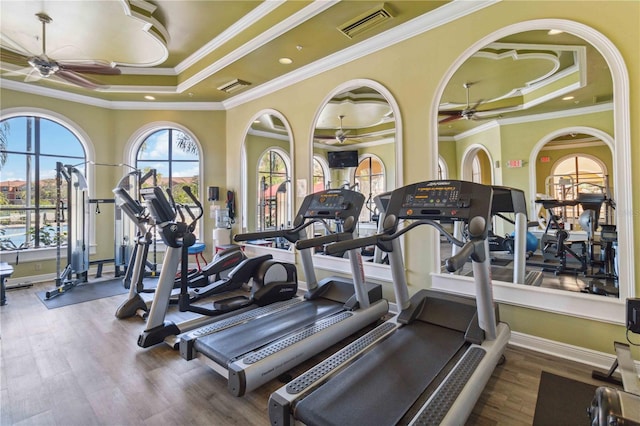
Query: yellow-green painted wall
107	133
412	71
415	86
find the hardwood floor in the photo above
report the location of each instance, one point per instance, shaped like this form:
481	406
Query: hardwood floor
79	365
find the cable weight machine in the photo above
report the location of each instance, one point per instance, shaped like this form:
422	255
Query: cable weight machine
77	229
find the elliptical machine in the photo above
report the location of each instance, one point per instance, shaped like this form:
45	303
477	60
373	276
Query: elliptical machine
271	281
219	267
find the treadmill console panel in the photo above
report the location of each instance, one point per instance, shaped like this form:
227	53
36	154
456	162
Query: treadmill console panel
332	204
441	200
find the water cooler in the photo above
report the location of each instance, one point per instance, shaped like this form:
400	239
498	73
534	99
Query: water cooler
222	229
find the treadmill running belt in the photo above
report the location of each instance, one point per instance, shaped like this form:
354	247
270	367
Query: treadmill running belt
380	387
228	344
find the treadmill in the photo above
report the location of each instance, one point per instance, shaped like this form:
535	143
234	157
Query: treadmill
430	362
511	200
251	353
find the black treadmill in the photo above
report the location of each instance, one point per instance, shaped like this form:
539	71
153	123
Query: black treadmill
250	353
430	362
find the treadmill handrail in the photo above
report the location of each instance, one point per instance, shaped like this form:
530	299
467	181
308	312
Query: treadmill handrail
383	237
291	234
325	239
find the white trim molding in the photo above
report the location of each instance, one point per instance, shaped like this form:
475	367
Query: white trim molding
581	305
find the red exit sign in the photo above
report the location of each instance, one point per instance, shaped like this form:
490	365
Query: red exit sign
514	163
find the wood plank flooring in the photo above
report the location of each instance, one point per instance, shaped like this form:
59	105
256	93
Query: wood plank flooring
79	365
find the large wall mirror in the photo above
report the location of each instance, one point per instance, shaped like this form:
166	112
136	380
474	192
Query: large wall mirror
357	145
267	202
542	106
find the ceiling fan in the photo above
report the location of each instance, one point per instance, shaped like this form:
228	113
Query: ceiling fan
468	113
42	66
341	135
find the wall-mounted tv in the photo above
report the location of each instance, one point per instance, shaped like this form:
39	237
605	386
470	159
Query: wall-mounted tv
342	159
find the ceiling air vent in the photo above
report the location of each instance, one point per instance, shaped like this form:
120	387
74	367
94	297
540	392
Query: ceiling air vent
366	21
234	85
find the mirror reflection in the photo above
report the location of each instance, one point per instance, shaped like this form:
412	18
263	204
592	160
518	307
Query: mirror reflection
521	113
268	196
354	147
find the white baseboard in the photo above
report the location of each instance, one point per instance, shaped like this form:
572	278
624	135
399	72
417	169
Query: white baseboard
579	354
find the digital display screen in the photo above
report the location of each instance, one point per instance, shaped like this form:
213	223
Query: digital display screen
328	201
445	195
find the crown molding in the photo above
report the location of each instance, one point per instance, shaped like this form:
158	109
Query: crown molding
533	118
101	103
243	23
274	32
440	16
443	15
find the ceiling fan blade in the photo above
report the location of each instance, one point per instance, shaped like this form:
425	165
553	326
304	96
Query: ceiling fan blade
18	72
13	57
473	108
451	113
76	79
8	43
32	75
448	119
90	67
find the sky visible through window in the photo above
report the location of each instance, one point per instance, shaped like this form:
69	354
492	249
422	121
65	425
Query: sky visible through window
57	142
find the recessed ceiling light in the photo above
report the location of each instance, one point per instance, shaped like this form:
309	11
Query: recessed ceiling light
555	32
567	98
150	98
285	61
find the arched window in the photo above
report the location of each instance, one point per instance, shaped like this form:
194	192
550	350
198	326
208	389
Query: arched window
175	157
31	148
274	189
579	174
476	170
320	174
370	178
588	174
443	171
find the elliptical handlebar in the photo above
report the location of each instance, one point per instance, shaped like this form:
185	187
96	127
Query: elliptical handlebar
175	207
194	219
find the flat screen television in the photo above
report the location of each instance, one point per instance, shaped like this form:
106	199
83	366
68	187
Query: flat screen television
342	159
